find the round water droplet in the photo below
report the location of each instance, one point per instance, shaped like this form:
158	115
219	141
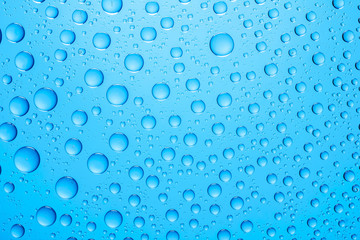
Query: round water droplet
51	12
190	139
19	106
136	173
65	220
318	58
73	146
224	100
349	176
172	235
111	6
9	187
118	142
220	8
148	122
66	187
222	44
148	34
160	91
46	216
79	17
152	8
134	62
97	163
271	69
193	84
79	118
167	23
93	77
45	99
14	32
117	95
152	181
317	108
246	226
60	55
214	190
24	61
17	231
113	219
8	132
101	41
168	154
254	108
198	106
172	215
338	4
223	235
67	37
27	159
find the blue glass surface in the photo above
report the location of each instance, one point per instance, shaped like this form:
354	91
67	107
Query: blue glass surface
179	119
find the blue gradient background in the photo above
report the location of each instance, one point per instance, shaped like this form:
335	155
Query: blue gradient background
37	189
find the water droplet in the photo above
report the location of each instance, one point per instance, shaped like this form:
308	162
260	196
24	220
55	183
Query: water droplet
118	142
79	17
67	37
97	163
8	132
246	226
27	159
45	99
220	8
152	181
93	77
14	32
222	44
79	118
136	173
73	146
134	62
160	91
17	231
46	216
101	41
152	8
66	187
214	190
24	61
224	100
111	6
271	69
117	95
113	219
148	34
148	122
172	215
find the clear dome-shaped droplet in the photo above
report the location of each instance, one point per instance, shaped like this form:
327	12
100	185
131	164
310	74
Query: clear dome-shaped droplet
221	44
97	163
66	187
46	216
45	99
118	142
27	159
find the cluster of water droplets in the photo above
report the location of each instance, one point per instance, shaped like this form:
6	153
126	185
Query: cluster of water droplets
179	119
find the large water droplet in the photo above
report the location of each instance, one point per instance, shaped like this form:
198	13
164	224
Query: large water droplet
98	163
27	159
24	61
66	187
46	216
222	44
45	99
